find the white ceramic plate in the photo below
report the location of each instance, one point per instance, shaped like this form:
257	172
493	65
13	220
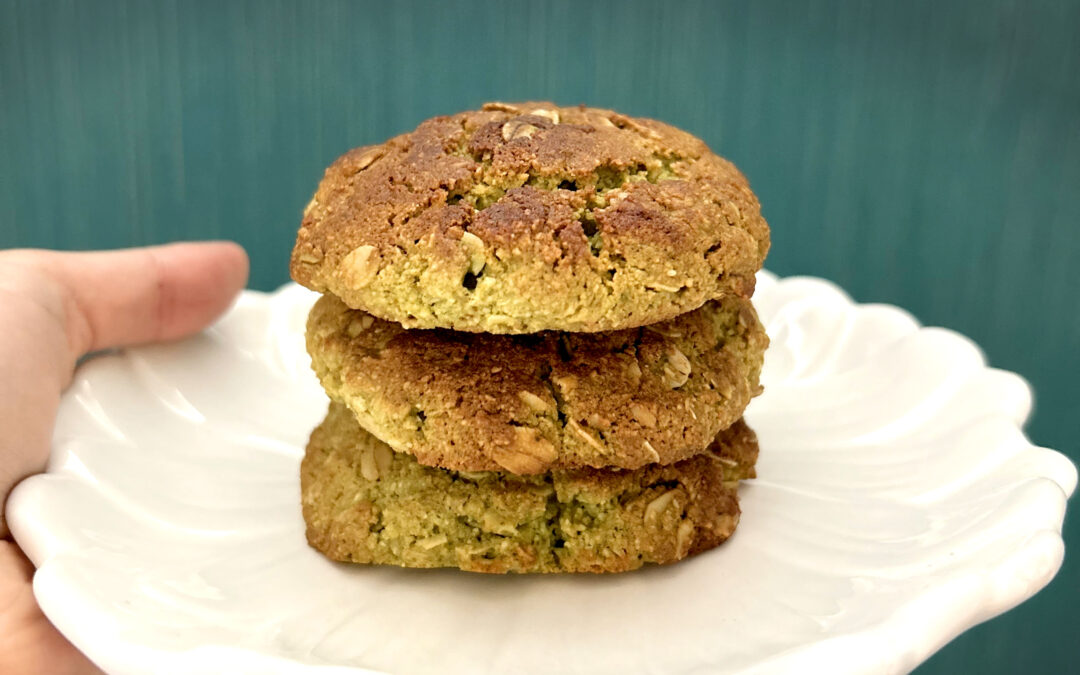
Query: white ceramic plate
899	504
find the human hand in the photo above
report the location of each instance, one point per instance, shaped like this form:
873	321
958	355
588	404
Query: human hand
54	308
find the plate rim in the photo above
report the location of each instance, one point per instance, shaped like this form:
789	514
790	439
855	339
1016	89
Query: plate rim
1046	553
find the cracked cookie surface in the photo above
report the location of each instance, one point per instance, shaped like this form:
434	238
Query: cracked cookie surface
365	503
528	403
525	217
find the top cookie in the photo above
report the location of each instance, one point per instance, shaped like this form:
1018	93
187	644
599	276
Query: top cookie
528	217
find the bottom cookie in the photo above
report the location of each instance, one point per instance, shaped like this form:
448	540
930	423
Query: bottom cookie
365	503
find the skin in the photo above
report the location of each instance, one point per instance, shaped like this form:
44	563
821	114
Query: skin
55	308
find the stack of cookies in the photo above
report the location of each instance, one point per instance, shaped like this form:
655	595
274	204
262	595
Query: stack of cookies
538	343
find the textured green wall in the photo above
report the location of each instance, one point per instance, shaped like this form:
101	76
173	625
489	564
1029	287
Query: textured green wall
925	154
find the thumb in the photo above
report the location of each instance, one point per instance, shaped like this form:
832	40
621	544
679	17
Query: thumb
132	296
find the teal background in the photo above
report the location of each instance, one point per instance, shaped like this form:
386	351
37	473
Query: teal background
925	154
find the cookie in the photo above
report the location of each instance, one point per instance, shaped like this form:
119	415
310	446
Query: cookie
530	217
365	503
529	403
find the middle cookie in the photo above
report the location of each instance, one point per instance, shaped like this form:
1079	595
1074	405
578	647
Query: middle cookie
530	403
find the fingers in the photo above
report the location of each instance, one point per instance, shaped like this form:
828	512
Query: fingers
28	642
141	295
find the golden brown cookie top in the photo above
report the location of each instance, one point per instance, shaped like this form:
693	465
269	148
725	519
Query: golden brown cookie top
526	217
